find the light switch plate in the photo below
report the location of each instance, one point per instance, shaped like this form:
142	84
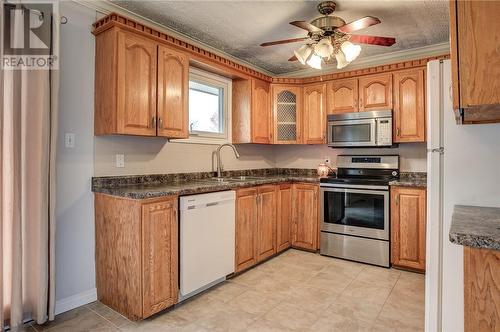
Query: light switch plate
69	140
120	160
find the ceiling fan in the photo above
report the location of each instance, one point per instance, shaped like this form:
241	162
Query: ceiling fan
330	36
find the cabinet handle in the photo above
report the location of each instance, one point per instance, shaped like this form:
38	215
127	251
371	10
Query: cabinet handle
397	200
160	123
398	132
153	121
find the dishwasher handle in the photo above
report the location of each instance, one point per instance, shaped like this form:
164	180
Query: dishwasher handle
212	204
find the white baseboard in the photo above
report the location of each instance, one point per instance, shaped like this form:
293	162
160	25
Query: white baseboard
76	301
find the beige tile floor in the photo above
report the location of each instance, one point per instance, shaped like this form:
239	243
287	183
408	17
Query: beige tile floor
296	291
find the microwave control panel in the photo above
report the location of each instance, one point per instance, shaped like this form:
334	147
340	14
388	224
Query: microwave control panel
384	131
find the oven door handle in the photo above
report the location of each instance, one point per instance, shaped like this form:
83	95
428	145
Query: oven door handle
355	191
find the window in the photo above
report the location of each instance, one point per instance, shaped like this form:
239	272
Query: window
209	108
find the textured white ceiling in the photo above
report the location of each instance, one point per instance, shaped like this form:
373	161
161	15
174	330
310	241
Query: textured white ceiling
238	27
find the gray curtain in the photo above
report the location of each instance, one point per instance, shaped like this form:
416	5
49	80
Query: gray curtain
28	124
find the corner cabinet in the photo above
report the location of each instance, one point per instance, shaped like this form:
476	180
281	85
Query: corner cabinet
136	254
475	60
409	105
141	86
287	111
408	224
305	216
251	112
314	123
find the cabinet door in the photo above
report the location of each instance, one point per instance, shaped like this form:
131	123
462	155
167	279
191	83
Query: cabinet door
408	208
305	216
375	92
478	60
136	93
246	228
343	96
314	114
173	89
287	109
266	222
159	255
284	217
409	105
261	112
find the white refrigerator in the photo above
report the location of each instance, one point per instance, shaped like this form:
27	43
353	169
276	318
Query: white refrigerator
463	168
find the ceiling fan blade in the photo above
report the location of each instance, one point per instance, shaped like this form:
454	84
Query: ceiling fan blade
285	41
306	26
362	23
293	58
373	40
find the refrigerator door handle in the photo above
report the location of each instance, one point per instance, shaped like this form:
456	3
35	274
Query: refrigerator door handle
439	150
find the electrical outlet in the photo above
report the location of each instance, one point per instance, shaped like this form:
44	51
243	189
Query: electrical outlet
120	160
69	140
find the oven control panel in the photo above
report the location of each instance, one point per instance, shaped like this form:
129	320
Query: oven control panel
384	131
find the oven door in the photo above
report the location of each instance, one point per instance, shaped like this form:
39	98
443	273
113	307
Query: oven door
361	132
358	212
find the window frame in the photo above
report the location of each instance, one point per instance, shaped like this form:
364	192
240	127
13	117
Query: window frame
225	84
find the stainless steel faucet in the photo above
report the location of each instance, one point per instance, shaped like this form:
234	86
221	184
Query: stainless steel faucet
219	162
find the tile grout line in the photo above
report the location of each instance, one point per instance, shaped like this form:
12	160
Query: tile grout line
107	320
383	305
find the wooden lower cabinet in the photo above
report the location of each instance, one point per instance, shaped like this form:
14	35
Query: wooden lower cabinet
246	228
408	222
305	216
266	222
255	225
481	290
284	217
136	254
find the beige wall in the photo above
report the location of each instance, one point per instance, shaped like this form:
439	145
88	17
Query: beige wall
412	155
147	155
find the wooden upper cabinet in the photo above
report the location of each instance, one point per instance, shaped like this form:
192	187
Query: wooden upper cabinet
159	239
261	112
342	96
136	79
284	217
173	90
314	114
141	86
287	114
266	224
408	219
409	105
475	59
246	228
375	92
305	216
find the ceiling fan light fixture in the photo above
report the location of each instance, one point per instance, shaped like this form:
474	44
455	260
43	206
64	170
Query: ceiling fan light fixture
341	61
350	50
324	48
314	61
303	53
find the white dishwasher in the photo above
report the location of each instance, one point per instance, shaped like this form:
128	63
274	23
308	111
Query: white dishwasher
207	241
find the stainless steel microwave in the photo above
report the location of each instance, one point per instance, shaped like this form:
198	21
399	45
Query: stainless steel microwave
360	129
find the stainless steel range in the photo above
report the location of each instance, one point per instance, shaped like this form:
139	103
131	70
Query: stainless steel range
355	209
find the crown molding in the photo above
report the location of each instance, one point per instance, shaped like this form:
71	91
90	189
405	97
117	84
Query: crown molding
375	60
106	7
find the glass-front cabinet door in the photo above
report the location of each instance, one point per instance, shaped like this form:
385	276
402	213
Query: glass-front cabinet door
287	108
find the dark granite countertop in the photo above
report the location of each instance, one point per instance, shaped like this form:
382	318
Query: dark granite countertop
141	187
411	179
475	226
